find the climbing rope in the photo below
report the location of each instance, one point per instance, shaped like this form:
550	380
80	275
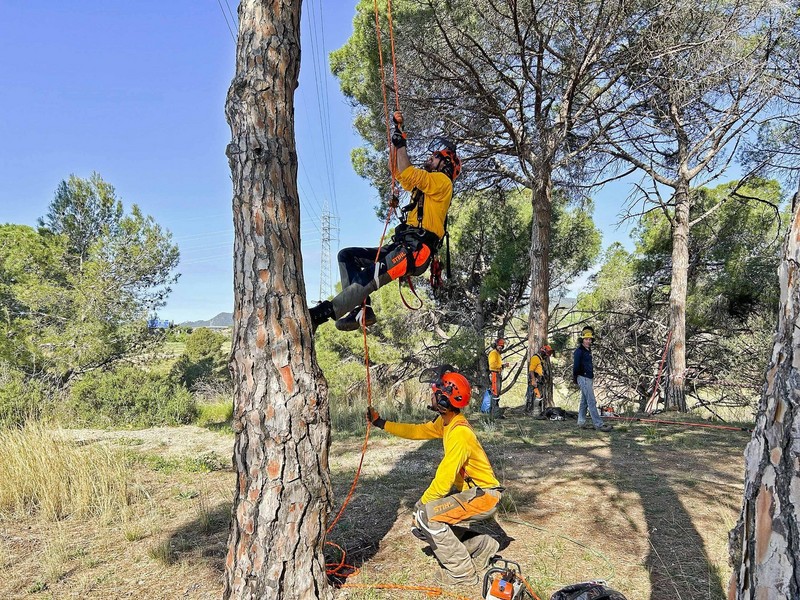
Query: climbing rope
684	423
528	587
341	569
430	591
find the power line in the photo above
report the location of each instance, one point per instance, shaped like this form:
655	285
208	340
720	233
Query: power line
224	16
328	108
310	185
195	236
322	100
233	18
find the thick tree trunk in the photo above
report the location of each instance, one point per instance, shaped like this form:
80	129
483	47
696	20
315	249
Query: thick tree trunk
675	384
281	412
765	544
540	259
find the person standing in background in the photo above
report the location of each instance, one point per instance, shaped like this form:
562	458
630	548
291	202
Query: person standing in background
583	377
496	366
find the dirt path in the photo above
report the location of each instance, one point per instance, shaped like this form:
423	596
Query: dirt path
172	441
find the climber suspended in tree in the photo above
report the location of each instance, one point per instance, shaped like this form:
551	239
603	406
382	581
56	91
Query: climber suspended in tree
415	241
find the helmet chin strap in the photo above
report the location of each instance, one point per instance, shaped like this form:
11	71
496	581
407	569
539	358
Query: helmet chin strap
434	406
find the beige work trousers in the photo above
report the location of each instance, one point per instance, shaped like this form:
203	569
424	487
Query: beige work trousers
445	522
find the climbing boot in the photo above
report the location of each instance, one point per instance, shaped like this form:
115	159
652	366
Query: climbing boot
321	313
352	320
417	533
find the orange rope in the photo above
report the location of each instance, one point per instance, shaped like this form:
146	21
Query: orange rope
528	586
431	591
394	62
338	569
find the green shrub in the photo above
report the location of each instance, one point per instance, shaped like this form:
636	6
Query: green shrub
217	413
202	361
204	343
22	398
129	396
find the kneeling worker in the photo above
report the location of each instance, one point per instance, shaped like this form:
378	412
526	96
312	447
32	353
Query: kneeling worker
441	518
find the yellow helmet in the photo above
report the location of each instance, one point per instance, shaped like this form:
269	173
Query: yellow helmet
587	333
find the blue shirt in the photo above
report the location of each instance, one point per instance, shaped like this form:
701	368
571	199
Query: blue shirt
582	363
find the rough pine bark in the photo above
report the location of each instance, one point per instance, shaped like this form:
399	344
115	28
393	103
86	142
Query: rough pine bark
675	383
539	305
765	544
281	409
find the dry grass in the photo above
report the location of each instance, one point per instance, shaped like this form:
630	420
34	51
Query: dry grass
40	474
647	507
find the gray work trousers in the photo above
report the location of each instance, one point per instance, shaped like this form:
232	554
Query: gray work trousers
460	512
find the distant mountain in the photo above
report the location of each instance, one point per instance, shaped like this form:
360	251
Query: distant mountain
564	302
223	319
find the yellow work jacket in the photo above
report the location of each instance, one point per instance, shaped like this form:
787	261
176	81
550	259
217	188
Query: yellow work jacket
438	190
495	360
463	455
535	366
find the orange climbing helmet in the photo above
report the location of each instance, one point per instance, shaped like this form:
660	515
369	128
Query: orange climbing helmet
445	150
450	388
547	349
454	388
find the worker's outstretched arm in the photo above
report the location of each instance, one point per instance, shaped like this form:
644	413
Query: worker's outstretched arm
412	431
401	160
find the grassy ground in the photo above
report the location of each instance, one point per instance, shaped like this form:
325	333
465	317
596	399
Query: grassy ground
646	507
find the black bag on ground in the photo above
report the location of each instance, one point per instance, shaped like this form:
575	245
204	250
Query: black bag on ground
588	590
555	413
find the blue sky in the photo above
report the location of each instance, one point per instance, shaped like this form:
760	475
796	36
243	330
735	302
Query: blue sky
135	91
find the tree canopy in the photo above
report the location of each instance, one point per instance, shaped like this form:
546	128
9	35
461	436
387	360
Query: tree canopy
731	300
77	291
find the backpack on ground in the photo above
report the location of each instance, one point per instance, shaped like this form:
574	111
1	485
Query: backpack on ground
588	590
486	402
555	413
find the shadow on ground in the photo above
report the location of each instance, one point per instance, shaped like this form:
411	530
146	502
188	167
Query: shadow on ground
376	506
677	562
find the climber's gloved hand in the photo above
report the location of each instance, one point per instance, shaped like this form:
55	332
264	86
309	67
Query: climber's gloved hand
399	139
375	418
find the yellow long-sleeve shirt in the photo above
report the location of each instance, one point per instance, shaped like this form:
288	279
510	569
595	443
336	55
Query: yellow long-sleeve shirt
438	190
463	455
495	361
535	365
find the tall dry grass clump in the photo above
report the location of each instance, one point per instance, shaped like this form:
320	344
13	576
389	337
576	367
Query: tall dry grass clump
42	474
